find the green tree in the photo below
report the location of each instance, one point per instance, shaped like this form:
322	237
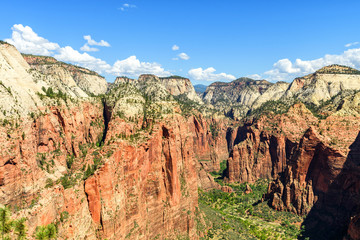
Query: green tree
45	232
20	228
5	222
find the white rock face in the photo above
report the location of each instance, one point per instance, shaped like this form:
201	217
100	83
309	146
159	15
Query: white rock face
59	78
91	83
69	75
178	85
243	91
17	88
275	92
20	83
319	87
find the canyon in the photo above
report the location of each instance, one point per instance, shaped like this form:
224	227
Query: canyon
126	160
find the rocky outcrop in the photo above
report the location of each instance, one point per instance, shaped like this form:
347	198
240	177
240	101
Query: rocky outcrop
257	154
324	84
17	87
205	181
143	188
68	76
97	173
324	184
353	232
309	173
180	86
238	97
210	143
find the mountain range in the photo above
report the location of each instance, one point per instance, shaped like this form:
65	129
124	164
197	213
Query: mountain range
126	160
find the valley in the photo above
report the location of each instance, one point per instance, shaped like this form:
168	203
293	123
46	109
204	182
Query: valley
151	158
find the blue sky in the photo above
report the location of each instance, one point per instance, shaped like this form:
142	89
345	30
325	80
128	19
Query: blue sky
217	40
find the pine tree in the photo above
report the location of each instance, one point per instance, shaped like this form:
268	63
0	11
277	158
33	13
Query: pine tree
5	222
20	228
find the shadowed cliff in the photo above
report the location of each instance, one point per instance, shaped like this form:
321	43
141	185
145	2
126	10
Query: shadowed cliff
330	216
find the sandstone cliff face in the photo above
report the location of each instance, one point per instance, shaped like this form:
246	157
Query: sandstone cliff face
147	189
261	147
324	84
210	143
323	183
238	97
258	155
174	85
35	153
178	86
116	168
70	76
313	167
17	88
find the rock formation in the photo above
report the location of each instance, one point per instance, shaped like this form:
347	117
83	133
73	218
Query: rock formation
324	84
71	76
119	167
239	96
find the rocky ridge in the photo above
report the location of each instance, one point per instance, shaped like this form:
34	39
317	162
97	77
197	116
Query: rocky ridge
120	166
114	163
239	97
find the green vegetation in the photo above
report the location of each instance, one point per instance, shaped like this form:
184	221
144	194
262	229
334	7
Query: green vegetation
45	232
90	170
214	129
45	60
173	76
219	175
10	228
276	107
68	181
49	92
338	69
187	106
69	161
244	216
8	89
16	228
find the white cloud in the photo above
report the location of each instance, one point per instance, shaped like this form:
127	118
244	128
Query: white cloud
27	41
254	76
286	70
175	59
87	48
184	56
133	67
209	75
175	47
68	54
126	6
92	42
351	44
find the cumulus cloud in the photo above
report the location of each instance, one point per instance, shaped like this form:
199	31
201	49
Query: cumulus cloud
133	67
68	54
87	48
27	41
351	44
184	56
209	75
92	42
126	6
286	70
175	47
254	76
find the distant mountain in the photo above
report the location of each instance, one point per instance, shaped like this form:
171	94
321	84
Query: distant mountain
200	88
